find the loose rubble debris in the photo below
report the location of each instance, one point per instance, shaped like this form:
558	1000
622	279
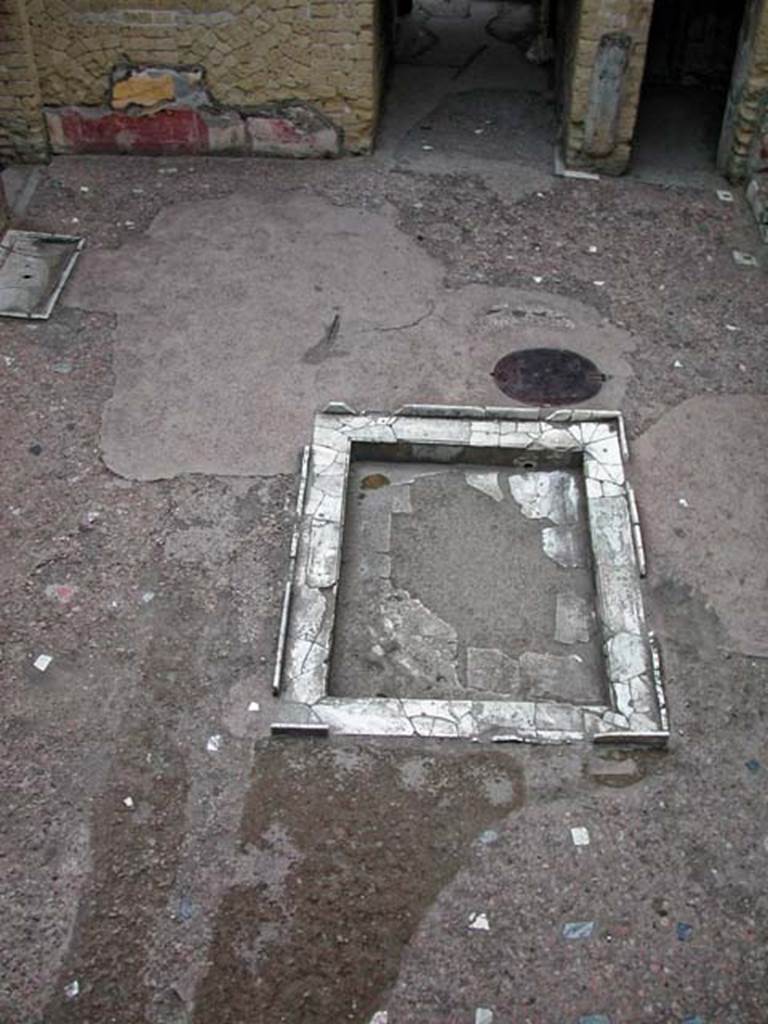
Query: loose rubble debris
128	801
42	661
214	744
254	706
72	990
483	1015
478	921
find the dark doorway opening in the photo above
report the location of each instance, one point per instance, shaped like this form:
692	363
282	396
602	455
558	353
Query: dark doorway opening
469	79
688	68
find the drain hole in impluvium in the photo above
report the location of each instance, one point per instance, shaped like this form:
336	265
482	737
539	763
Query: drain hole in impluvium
547	376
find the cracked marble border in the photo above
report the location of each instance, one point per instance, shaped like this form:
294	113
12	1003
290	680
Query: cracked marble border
637	710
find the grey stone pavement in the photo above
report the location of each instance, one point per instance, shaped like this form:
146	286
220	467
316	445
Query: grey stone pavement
163	859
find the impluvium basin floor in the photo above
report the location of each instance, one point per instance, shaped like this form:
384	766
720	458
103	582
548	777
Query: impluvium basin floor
466	581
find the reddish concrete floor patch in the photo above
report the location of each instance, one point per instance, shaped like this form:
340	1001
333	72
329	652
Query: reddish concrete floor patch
326	946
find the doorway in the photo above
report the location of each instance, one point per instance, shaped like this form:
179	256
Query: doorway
689	64
469	80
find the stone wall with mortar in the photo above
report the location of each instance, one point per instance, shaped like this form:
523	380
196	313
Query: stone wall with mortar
743	150
606	73
22	135
325	53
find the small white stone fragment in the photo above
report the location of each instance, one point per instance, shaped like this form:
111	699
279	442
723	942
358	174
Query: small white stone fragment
72	990
147	596
128	801
677	364
75	220
683	503
42	661
724	195
744	259
214	744
578	929
483	1016
580	836
598	284
427	148
478	921
592	248
254	706
84	188
380	1017
731	327
538	280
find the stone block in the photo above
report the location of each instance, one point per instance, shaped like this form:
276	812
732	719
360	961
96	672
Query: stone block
292	129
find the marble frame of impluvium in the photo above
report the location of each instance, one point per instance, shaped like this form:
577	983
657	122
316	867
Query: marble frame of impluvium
593	439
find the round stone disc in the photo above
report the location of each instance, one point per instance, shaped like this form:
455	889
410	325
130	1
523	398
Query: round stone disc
547	376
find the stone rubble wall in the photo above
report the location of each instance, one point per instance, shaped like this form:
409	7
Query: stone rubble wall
254	53
22	133
744	149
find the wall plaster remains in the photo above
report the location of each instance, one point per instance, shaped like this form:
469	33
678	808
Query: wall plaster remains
635	711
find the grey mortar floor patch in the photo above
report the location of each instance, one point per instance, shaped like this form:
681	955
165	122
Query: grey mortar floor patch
212	378
442	677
